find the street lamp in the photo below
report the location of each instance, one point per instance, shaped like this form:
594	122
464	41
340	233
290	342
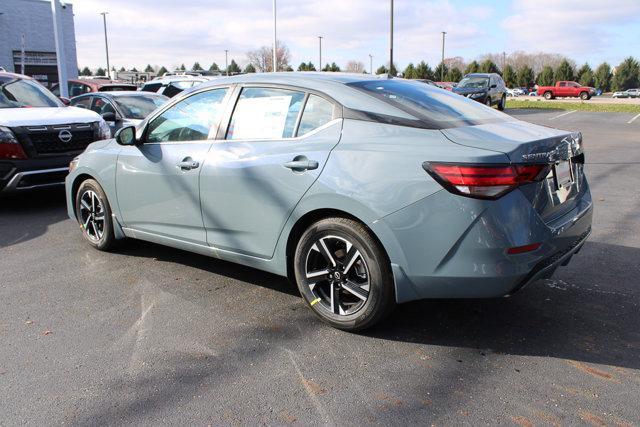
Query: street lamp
320	56
226	61
444	33
275	43
106	43
391	42
370	64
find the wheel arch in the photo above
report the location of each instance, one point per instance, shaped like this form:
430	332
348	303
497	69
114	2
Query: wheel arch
77	181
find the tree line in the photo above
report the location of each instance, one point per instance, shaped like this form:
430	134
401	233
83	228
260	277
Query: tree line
521	70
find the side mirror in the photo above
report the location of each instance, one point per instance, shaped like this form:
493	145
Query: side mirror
109	116
65	101
126	135
493	86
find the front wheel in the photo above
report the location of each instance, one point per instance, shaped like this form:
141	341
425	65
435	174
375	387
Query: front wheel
343	274
584	96
94	215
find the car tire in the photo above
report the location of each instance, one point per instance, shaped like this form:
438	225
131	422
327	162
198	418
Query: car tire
344	274
584	96
548	96
487	102
502	103
93	213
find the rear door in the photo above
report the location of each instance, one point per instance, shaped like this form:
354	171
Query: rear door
275	147
158	182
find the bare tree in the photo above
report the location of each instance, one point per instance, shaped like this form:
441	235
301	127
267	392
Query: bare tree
355	67
455	62
262	59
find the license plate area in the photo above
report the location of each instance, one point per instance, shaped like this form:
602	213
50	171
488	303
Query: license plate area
563	175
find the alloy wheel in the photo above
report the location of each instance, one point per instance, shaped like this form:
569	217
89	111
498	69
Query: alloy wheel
337	275
92	215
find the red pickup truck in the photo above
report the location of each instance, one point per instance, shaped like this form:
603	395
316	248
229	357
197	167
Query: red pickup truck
566	89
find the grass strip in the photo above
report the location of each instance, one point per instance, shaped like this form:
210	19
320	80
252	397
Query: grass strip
578	106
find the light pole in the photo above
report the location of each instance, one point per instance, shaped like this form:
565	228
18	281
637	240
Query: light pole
106	43
444	33
504	61
391	42
320	53
370	64
226	61
275	43
61	56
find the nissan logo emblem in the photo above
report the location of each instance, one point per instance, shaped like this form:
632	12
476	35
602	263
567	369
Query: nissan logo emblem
65	136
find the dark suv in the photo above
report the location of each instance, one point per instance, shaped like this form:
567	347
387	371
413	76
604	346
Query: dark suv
39	135
487	88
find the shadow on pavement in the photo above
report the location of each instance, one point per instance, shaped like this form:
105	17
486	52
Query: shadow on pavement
38	209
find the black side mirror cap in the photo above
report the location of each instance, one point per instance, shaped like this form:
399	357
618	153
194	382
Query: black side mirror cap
109	116
126	135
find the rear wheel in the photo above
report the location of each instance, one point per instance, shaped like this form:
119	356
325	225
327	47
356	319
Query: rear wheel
548	95
502	103
344	274
94	215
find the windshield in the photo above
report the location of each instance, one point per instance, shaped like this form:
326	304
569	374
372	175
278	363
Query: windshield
22	93
474	82
138	107
436	108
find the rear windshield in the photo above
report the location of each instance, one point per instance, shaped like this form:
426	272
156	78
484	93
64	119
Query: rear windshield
22	93
433	107
139	107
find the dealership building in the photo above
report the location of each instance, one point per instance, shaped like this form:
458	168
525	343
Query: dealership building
27	26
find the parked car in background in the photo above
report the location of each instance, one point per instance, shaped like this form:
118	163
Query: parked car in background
486	88
446	85
78	87
513	92
566	89
173	85
366	191
119	109
39	135
629	93
429	82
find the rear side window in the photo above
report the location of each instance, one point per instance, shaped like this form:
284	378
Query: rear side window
265	113
102	106
317	112
151	87
83	102
433	108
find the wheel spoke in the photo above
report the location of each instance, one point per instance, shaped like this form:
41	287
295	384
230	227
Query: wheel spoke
355	289
351	257
335	299
315	277
86	223
99	217
85	205
326	253
93	202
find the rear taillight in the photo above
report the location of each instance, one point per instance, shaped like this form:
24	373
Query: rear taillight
10	148
484	181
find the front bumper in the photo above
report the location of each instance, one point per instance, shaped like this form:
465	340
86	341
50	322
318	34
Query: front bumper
456	247
31	174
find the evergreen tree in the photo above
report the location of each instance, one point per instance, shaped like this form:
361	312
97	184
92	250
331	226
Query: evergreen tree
440	72
525	76
249	68
134	70
122	70
183	68
602	77
454	75
546	76
86	72
196	67
423	71
473	67
564	72
509	76
214	67
149	69
101	72
627	75
310	66
584	69
162	71
587	78
288	68
488	66
410	72
233	68
381	70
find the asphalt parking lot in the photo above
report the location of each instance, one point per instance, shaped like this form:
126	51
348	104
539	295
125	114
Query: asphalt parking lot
149	335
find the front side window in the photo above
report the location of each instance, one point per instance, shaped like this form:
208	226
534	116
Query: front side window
317	112
193	119
265	113
23	93
102	106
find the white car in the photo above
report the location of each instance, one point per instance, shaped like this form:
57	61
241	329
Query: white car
39	135
629	93
173	85
513	92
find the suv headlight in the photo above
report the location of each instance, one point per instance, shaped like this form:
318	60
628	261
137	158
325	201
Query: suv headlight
104	130
7	136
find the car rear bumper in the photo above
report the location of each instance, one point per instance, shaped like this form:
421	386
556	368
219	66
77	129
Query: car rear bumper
31	174
456	247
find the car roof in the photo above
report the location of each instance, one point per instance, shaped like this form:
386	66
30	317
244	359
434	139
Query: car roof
481	74
14	75
119	93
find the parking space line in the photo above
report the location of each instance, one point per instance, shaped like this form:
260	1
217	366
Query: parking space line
633	119
563	114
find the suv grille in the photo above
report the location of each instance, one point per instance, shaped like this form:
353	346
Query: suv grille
58	138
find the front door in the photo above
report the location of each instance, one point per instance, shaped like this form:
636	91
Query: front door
158	181
276	145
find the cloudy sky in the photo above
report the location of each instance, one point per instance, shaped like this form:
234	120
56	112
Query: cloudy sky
169	32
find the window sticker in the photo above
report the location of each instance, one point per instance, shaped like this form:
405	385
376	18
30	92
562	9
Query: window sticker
260	118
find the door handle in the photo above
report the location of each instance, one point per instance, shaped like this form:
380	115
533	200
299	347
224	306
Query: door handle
301	164
188	164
